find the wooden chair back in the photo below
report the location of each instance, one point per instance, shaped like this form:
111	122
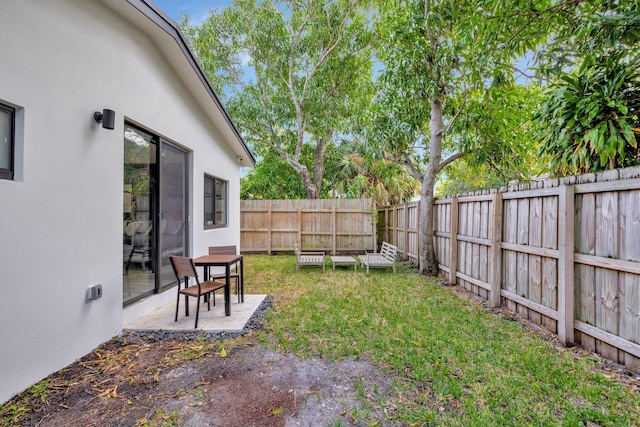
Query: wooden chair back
389	251
222	250
227	250
183	267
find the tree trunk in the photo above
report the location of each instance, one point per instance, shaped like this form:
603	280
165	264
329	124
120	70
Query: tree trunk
309	186
318	162
428	262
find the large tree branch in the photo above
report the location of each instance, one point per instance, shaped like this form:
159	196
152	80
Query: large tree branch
411	167
327	52
450	125
442	131
297	102
451	159
292	55
432	38
272	139
519	71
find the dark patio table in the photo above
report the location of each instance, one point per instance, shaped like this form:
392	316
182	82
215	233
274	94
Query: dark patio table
225	261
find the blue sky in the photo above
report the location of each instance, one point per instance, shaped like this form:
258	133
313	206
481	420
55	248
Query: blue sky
198	10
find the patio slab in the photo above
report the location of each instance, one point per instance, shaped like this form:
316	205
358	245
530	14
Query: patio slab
210	321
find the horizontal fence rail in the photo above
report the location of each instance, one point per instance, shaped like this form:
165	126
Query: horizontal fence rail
330	225
563	253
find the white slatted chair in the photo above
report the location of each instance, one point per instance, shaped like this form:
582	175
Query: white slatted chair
384	259
308	258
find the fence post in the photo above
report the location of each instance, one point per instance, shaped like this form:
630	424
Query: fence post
386	226
453	242
418	234
566	252
496	252
269	226
300	228
333	229
406	232
374	223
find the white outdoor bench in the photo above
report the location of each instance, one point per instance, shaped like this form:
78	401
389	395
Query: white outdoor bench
383	259
308	258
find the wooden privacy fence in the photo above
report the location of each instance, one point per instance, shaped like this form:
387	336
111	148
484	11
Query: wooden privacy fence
563	253
330	225
398	224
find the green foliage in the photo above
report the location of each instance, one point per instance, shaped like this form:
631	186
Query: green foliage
590	57
463	176
446	92
12	412
498	132
590	119
310	74
351	172
585	29
484	112
360	172
216	47
163	418
272	178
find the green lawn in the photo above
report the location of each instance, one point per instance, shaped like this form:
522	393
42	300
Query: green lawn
453	362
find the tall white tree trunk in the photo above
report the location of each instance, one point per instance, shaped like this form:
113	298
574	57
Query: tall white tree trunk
428	262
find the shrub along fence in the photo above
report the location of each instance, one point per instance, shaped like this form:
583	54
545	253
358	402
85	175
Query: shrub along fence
563	253
330	225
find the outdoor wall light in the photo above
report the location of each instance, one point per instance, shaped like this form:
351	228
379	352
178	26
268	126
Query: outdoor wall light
107	118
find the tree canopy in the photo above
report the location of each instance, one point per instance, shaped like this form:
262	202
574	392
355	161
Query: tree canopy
447	91
311	74
589	120
350	97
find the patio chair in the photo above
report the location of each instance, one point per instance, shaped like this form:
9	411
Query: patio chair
308	258
226	250
384	259
184	268
140	238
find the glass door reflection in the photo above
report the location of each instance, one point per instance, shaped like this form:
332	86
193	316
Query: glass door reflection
173	208
140	170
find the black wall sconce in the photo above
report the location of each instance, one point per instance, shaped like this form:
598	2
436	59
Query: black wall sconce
107	118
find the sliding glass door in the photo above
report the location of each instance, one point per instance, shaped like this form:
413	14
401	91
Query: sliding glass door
140	199
155	212
173	208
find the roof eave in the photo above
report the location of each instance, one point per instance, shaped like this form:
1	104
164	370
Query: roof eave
170	27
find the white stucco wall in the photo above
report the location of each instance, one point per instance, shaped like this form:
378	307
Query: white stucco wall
61	221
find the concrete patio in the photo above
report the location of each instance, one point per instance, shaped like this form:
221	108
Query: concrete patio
210	321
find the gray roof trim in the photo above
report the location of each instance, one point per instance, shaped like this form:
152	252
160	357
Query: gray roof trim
156	15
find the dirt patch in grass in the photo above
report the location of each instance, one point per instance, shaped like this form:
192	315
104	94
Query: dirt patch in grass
176	383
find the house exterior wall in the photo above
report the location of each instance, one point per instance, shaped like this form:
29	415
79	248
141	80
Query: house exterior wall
61	219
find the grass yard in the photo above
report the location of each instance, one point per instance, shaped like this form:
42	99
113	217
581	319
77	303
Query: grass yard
452	361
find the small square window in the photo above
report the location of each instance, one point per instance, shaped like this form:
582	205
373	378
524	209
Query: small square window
7	141
215	202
